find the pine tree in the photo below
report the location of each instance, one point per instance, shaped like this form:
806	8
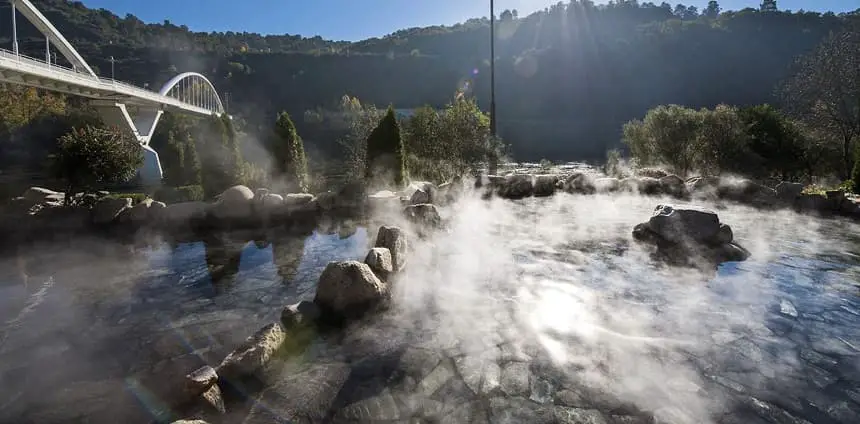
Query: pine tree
386	154
289	152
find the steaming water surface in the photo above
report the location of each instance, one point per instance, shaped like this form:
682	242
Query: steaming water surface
541	310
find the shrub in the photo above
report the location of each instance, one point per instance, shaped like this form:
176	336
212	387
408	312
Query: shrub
92	156
180	194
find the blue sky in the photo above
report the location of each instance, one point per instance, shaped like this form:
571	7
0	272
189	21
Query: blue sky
359	19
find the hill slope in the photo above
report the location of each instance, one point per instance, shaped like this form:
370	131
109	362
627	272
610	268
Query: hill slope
567	76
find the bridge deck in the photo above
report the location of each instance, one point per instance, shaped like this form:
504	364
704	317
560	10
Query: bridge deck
20	69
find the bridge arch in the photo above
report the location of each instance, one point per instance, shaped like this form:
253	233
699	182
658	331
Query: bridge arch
195	89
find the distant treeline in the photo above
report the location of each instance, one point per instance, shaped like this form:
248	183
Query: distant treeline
568	76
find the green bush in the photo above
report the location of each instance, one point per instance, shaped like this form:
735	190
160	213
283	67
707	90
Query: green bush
180	194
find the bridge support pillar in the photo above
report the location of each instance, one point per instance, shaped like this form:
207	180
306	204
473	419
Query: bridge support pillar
141	121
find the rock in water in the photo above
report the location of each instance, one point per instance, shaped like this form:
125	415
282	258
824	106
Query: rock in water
690	235
200	381
393	239
254	353
789	191
236	202
545	185
680	224
302	313
349	289
379	260
108	209
517	186
424	214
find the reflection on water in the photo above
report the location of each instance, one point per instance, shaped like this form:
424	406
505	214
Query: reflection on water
522	312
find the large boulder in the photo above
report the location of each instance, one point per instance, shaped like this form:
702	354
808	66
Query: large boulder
674	186
299	314
200	380
681	224
607	185
580	183
139	213
747	192
788	191
254	353
393	239
420	192
383	200
545	185
183	213
517	186
235	203
689	236
380	262
650	186
108	209
811	203
426	214
35	195
348	289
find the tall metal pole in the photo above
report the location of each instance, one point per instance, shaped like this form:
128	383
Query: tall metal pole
112	68
48	50
492	163
492	69
14	30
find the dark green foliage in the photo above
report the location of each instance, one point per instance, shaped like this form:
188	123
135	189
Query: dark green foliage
595	66
386	154
91	157
774	140
756	141
179	194
289	154
447	142
176	150
220	159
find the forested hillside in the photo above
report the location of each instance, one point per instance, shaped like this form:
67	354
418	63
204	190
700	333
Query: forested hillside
568	77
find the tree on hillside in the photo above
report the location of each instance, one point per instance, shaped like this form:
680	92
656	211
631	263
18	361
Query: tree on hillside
825	91
386	155
768	6
92	156
712	11
289	154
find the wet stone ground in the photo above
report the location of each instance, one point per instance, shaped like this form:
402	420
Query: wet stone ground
538	311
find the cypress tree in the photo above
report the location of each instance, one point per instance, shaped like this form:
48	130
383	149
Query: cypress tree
289	152
386	154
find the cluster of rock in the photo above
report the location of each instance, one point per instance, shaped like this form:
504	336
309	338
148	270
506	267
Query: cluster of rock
44	211
347	290
690	235
786	194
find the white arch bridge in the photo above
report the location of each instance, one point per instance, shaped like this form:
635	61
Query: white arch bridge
118	103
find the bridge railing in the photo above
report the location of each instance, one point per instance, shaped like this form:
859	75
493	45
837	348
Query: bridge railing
103	83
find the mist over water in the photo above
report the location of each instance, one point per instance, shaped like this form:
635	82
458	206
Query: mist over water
556	284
